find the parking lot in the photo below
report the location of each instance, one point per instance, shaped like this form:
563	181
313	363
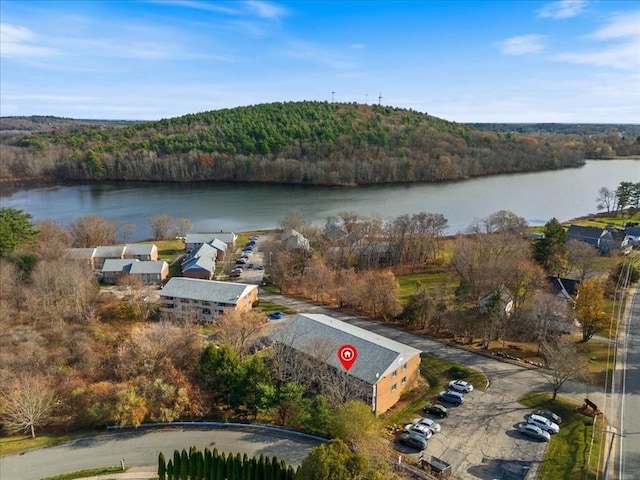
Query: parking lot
479	439
253	269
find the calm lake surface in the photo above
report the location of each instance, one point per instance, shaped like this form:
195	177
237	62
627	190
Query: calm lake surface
564	194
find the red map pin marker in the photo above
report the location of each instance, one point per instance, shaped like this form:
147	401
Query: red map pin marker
347	354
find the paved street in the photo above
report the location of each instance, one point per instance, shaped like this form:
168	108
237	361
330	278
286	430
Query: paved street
141	448
629	442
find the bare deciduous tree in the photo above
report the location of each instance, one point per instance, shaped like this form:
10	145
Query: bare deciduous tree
183	226
160	225
92	231
27	404
237	329
562	361
581	258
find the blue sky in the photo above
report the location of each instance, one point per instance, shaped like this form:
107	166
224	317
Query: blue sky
465	61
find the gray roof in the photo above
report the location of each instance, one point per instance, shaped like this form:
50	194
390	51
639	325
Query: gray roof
313	334
219	245
226	237
208	290
204	250
110	251
118	265
199	263
139	249
148	267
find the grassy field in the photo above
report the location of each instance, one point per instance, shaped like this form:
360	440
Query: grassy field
605	220
15	444
570	455
440	282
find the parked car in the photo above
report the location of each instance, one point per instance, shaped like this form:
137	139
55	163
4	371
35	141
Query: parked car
534	432
241	261
544	423
549	415
276	315
423	430
460	386
413	440
260	267
437	410
432	424
449	396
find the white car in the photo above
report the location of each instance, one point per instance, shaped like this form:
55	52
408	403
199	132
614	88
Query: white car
432	424
423	430
534	432
460	386
543	423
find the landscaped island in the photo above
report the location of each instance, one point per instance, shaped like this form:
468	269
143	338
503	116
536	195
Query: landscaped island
315	143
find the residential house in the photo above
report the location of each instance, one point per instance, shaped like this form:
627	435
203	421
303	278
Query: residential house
85	256
605	240
151	272
103	253
384	369
556	314
203	300
201	262
141	251
295	241
195	240
376	254
634	235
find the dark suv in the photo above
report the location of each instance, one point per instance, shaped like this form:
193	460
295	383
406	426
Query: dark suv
437	410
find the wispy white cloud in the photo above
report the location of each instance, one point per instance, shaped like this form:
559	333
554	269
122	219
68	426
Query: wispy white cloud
357	46
562	9
522	44
623	53
266	9
20	42
199	5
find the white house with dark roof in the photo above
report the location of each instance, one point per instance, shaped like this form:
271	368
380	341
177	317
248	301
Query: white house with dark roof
203	300
85	256
386	368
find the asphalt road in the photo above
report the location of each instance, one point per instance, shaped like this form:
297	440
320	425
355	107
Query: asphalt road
141	448
479	439
629	442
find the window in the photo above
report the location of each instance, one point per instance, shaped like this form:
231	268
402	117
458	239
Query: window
394	374
404	380
404	367
394	387
206	311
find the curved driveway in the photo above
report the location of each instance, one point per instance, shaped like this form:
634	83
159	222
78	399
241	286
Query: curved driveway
141	448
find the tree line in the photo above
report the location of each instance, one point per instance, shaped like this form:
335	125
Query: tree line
298	143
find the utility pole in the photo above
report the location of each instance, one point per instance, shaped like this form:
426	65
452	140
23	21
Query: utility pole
379	98
332	94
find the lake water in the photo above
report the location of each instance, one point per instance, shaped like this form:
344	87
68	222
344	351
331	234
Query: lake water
564	194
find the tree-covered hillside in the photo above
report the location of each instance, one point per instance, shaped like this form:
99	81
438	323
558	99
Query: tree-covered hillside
298	142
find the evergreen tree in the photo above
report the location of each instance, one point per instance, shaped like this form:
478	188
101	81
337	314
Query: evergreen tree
162	467
184	465
221	467
549	251
176	464
170	472
193	460
207	464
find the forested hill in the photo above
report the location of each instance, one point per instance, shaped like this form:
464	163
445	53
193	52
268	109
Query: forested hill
298	142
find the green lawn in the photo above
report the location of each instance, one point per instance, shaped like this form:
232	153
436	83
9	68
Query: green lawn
87	473
437	282
567	456
21	443
269	307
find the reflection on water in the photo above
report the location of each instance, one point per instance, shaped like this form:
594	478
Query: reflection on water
537	197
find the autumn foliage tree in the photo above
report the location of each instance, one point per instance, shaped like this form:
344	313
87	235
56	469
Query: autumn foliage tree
589	309
26	403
